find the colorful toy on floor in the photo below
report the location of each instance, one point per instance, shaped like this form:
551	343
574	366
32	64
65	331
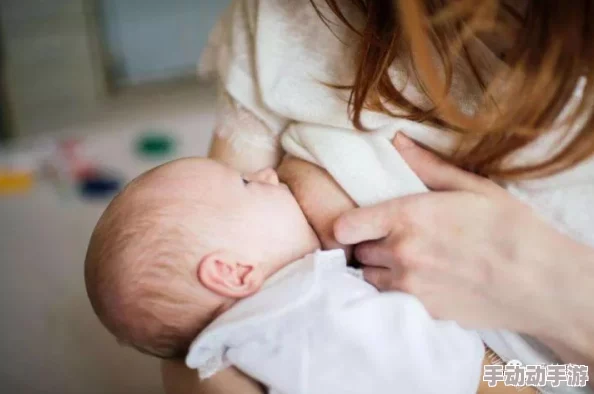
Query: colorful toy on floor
62	163
18	170
99	184
155	144
69	169
15	182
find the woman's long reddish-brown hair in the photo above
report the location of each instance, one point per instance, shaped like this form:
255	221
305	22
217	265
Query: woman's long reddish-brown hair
552	46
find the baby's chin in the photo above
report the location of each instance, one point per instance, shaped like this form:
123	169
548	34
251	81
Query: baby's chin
302	246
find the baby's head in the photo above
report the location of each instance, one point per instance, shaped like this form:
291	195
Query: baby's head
183	242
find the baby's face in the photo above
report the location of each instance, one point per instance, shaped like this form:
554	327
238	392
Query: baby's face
262	214
251	215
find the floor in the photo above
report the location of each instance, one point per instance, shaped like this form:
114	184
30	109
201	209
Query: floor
51	341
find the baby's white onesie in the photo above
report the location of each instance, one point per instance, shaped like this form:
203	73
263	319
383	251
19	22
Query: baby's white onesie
315	328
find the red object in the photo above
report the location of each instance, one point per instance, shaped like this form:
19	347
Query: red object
78	166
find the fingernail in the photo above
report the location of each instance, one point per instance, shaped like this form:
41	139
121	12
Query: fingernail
402	141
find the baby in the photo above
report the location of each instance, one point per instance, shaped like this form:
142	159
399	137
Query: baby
195	259
182	243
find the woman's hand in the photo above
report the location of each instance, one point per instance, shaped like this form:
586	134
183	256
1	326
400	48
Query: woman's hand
471	253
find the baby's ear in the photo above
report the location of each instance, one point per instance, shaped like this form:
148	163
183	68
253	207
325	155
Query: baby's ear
224	274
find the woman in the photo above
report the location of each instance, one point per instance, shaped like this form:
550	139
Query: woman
510	85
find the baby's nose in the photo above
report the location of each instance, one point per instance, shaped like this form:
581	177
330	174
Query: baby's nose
267	175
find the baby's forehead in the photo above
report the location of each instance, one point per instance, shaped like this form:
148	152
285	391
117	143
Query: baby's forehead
183	193
189	179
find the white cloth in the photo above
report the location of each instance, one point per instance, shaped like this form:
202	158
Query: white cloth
317	329
365	165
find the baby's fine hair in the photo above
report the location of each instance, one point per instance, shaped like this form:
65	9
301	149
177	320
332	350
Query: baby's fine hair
139	276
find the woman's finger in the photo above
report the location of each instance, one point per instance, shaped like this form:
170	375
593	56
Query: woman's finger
435	172
367	223
375	253
381	278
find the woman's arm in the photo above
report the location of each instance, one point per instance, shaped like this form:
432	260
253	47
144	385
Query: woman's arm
241	140
573	341
178	379
245	159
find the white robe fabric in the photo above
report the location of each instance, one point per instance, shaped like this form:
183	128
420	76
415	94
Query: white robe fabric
315	328
365	165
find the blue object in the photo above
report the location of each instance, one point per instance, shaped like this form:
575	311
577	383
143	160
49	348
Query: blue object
99	186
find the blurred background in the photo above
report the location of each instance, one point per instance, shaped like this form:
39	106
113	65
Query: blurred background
92	93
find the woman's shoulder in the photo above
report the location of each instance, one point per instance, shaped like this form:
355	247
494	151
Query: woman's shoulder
283	30
281	55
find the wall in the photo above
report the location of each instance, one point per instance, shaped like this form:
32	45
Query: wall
56	52
52	70
157	40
